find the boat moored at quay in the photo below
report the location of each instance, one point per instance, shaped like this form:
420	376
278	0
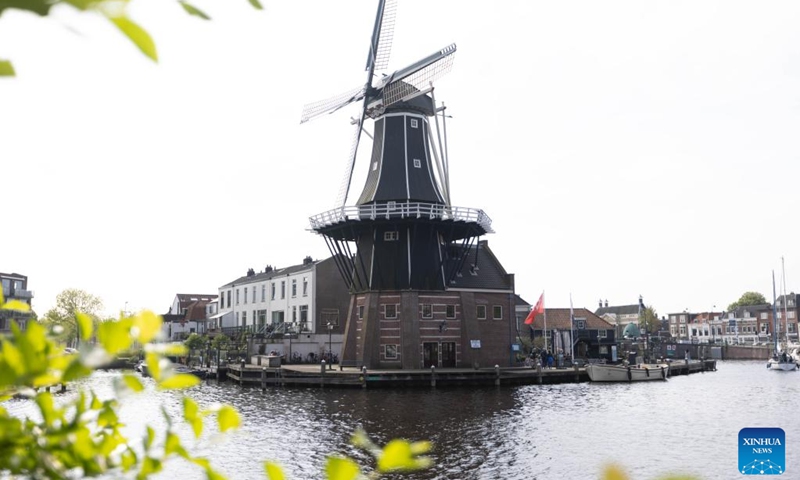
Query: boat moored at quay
628	373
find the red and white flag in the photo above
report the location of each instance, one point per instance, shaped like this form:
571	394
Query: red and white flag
537	309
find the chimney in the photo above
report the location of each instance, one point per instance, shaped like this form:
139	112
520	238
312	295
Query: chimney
308	260
606	303
250	272
268	269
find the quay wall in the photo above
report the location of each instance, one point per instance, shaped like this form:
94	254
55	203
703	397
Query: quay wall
718	352
747	352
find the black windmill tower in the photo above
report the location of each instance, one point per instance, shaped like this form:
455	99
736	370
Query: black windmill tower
402	233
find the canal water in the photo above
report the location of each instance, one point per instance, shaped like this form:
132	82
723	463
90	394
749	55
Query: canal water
687	425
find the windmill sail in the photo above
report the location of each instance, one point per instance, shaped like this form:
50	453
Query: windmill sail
330	105
382	35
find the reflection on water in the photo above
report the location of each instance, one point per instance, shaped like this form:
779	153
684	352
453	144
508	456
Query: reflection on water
689	424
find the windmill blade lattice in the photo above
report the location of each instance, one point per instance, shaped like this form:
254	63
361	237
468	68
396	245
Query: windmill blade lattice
418	76
384	48
344	187
332	104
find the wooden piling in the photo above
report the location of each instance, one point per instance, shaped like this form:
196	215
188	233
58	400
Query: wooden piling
263	379
433	376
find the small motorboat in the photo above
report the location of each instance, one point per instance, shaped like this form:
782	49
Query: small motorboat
627	373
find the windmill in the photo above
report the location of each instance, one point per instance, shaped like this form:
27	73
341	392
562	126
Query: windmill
376	96
403	224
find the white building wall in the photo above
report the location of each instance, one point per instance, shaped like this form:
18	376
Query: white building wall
245	311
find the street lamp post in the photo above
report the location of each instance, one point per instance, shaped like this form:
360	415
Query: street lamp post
330	348
291	332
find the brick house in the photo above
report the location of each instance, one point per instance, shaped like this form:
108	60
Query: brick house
593	336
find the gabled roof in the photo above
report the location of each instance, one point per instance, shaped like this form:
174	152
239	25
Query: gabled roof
558	318
481	270
186	299
278	272
196	311
619	310
518	301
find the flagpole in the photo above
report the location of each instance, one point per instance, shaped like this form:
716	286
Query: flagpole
571	330
545	322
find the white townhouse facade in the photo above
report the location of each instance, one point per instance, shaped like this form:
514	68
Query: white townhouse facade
302	298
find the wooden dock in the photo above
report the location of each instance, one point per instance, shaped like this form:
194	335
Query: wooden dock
323	376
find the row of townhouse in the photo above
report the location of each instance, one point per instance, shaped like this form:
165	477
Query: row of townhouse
750	324
308	301
471	323
15	287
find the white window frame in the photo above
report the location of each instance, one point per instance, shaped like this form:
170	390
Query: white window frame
393	312
478	309
494	312
429	313
414	123
417	163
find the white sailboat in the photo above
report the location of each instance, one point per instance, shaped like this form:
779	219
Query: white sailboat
781	359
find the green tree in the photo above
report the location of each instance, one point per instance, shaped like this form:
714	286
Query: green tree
113	10
748	298
63	317
649	320
195	342
220	341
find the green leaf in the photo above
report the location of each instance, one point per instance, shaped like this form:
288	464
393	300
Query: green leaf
153	365
173	445
16	306
76	370
194	10
274	471
192	418
181	380
115	335
148	325
151	435
341	468
149	466
45	402
133	383
137	35
42	7
399	456
256	4
227	418
128	459
84	325
6	70
12	357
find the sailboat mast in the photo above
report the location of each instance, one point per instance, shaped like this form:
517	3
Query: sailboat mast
774	315
785	314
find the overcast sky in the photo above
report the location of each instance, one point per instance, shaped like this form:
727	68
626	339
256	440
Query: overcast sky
621	148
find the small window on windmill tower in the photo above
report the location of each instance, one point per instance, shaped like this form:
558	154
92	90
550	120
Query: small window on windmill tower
391	236
414	123
417	163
